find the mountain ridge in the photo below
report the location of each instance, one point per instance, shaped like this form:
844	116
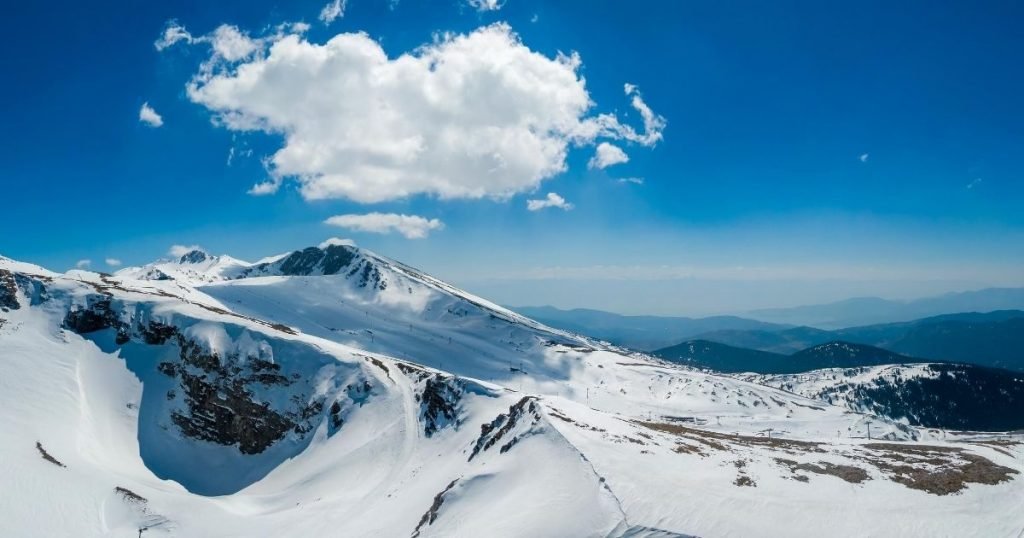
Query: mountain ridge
307	404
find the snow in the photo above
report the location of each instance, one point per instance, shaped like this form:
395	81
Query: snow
579	462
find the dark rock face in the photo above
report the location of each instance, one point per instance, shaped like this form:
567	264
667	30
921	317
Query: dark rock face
195	256
97	315
439	403
220	404
217	395
11	283
500	428
331	260
8	291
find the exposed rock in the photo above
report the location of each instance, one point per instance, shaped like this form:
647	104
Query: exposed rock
194	256
97	315
331	260
431	514
500	427
439	403
130	495
221	406
11	283
156	333
8	291
46	455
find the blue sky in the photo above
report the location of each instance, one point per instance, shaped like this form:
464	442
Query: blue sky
812	150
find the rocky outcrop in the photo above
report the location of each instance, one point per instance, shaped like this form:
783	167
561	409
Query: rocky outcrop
193	256
220	404
439	402
330	260
8	291
97	314
11	283
220	399
520	422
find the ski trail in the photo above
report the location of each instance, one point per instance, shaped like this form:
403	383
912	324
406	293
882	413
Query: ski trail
409	441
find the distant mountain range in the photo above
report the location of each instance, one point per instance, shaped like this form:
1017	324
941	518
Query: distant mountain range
730	359
874	310
988	339
993	338
638	332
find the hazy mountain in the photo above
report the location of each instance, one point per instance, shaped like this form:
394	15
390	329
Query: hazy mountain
993	339
637	332
723	358
730	359
783	341
873	310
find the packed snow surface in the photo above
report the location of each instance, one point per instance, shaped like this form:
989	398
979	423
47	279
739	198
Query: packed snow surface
335	392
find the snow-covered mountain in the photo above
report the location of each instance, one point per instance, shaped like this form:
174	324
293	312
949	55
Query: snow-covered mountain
955	396
332	391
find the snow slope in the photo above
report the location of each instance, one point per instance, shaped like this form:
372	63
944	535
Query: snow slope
339	392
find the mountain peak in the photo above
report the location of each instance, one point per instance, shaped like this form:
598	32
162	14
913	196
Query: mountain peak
194	256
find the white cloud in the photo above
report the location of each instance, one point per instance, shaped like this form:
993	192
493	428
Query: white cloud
149	116
863	157
411	226
534	18
607	155
974	183
83	264
467	116
337	241
231	44
173	33
552	200
332	11
227	43
633	180
180	250
112	262
486	5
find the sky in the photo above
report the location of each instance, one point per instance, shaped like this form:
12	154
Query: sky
688	158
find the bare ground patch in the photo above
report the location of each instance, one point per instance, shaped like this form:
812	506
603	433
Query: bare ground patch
935	469
849	473
939	470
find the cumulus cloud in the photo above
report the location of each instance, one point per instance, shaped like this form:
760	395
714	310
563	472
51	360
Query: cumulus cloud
466	116
149	116
863	157
607	155
410	226
180	250
552	200
83	264
631	180
486	5
112	262
332	11
337	241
